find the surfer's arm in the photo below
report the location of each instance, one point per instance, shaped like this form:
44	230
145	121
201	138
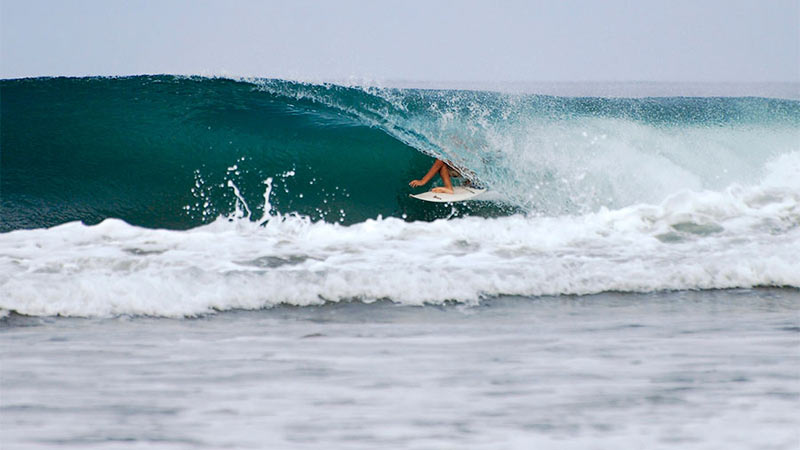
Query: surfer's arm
437	166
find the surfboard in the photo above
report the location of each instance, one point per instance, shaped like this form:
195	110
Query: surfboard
460	194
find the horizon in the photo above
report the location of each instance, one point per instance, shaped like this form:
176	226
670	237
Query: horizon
593	88
576	41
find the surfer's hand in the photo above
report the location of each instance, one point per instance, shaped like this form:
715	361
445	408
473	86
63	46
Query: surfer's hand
415	183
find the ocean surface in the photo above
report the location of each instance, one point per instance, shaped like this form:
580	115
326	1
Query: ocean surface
192	262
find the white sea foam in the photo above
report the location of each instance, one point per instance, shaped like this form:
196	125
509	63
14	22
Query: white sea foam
737	237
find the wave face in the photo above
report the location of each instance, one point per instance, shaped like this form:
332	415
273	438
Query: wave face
160	151
248	194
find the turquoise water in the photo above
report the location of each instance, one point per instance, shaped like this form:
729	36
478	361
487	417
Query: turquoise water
159	151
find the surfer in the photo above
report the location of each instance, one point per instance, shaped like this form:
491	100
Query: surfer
445	171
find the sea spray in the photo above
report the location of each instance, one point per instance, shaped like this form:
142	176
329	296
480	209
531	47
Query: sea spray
738	237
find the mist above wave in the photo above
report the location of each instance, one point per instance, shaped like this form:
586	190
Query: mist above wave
557	155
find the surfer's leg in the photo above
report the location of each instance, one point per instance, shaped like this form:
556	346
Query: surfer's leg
444	172
435	168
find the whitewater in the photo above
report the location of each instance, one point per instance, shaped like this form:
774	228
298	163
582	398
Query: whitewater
195	262
741	237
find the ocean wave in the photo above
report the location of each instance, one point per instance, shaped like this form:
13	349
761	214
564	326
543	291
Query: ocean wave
181	196
738	237
158	151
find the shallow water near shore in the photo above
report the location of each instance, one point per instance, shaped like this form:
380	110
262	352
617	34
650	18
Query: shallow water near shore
686	369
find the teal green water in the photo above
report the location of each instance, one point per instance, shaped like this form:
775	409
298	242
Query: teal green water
159	151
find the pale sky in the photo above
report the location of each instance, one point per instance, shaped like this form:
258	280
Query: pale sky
535	40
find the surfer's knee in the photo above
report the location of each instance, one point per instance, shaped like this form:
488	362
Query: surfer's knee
444	172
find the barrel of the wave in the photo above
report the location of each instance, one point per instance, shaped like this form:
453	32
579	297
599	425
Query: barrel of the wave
160	152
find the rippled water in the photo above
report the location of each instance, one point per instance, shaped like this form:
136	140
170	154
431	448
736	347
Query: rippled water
696	370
